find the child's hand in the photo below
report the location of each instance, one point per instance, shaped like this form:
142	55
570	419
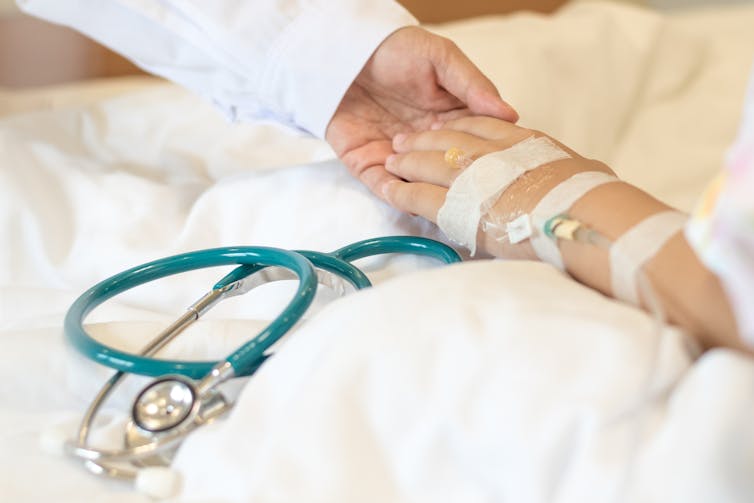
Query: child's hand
421	161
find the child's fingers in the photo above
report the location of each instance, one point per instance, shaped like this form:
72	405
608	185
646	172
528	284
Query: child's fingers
421	166
503	134
421	199
487	128
440	140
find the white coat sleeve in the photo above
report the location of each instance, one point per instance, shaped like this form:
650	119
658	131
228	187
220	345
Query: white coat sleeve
291	60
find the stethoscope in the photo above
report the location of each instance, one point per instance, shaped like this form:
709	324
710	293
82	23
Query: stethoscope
185	395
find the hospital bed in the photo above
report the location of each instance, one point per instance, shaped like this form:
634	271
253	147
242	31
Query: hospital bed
485	381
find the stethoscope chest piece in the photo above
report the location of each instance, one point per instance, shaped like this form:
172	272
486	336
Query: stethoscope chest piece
164	404
168	405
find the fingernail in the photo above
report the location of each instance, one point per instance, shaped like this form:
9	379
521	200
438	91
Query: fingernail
436	125
399	138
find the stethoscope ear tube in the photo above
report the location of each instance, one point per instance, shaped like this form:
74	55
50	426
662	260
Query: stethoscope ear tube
244	360
410	245
247	358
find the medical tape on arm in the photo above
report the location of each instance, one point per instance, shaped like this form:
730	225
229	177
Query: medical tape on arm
479	186
637	246
557	202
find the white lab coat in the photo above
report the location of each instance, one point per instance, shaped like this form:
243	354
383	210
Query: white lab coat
291	60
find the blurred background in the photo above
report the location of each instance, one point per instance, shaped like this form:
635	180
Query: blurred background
34	53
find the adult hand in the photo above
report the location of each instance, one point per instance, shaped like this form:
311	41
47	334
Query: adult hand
413	80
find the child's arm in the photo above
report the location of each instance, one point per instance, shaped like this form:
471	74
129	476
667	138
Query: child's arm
691	295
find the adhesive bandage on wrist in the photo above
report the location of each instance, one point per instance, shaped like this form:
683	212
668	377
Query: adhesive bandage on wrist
479	186
556	202
636	247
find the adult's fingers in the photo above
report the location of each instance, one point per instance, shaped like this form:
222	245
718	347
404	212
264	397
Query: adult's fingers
376	178
428	167
460	77
423	199
366	163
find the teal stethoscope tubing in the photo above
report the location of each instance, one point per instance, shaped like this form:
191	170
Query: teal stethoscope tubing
242	360
339	261
247	358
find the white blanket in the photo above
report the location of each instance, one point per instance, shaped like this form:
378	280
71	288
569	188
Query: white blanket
486	381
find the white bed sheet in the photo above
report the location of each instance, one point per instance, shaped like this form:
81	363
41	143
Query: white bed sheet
487	381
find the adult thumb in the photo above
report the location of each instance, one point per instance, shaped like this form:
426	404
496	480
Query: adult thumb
461	78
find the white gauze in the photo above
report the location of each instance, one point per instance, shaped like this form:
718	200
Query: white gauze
479	186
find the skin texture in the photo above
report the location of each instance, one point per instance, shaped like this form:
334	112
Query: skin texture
413	80
691	295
